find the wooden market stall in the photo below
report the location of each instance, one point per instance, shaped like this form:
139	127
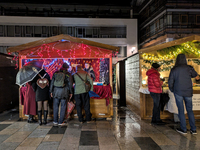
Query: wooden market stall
165	54
53	51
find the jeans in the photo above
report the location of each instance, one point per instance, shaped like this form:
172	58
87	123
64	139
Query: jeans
156	106
56	103
181	115
83	99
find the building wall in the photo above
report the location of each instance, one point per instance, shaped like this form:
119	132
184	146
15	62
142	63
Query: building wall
131	29
133	80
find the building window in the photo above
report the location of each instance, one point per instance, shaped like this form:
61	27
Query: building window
198	19
28	31
184	19
1	30
17	31
10	31
37	31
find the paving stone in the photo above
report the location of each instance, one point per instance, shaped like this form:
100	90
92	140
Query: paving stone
48	146
31	142
88	148
9	146
53	137
18	136
39	133
3	138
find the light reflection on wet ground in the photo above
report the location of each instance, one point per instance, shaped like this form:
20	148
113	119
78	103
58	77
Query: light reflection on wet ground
124	132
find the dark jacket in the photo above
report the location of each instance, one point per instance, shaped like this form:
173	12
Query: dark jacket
154	82
79	84
41	94
90	71
180	76
62	92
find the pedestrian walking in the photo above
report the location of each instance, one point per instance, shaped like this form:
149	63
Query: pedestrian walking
81	96
155	88
180	84
61	91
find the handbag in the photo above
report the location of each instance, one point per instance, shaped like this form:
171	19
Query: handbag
87	83
70	107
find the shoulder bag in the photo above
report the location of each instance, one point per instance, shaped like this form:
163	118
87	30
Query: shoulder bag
87	83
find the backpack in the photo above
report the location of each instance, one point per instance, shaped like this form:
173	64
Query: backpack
59	79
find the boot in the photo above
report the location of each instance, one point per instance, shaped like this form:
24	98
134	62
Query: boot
31	119
45	116
40	117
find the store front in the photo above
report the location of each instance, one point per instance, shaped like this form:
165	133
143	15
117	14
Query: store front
54	51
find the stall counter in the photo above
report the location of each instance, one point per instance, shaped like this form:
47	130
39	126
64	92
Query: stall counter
146	104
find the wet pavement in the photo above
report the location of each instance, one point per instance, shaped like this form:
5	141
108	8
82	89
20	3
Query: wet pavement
124	132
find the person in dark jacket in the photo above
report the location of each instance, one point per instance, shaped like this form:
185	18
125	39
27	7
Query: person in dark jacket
155	89
41	88
61	94
180	84
90	71
81	96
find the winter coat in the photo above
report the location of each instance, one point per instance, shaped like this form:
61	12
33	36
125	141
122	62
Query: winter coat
180	76
79	84
62	92
41	94
154	82
90	71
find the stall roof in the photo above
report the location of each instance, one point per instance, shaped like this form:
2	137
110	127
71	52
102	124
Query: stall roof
193	38
58	38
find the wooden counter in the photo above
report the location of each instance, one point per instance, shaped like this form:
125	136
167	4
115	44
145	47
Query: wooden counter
146	107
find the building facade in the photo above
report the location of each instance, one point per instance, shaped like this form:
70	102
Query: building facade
27	26
162	21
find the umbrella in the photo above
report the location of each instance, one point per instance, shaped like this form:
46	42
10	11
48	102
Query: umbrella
28	72
93	94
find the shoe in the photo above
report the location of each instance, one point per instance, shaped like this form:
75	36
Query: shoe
153	122
31	119
45	116
160	122
62	124
90	121
181	131
40	117
193	132
55	124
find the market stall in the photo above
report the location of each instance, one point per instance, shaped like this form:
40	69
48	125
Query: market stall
54	51
165	54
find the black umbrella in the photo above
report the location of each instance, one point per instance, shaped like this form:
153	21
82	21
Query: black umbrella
28	72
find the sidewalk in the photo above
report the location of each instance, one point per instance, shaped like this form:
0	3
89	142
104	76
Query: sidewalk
125	132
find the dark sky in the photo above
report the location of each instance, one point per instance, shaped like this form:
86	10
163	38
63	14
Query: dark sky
82	2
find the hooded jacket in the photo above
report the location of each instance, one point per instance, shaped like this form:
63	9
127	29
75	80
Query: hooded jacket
90	71
180	76
154	83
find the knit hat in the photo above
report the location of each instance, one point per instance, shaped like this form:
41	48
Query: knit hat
65	65
155	65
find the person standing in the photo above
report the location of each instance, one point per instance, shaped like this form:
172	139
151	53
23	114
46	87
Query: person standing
90	71
61	91
155	89
80	95
180	84
41	88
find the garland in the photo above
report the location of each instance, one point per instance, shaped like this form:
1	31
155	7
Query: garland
188	48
